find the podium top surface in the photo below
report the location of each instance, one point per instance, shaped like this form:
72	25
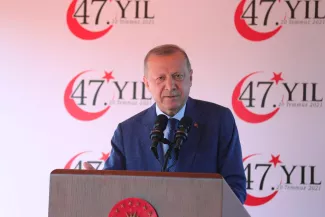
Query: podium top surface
136	173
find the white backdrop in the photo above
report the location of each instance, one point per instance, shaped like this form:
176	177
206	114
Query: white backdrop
43	48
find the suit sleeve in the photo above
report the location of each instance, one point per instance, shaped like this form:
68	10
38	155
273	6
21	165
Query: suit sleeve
116	160
230	164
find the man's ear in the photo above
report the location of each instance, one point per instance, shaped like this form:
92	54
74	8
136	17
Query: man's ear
191	76
145	81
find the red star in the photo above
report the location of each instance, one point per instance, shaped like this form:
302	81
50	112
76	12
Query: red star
104	156
275	160
108	76
277	77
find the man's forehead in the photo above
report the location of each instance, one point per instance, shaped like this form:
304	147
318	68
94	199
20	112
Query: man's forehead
165	62
164	68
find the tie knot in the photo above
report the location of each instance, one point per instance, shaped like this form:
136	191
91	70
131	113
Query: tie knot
172	122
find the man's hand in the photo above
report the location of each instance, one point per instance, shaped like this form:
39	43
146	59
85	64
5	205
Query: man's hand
88	166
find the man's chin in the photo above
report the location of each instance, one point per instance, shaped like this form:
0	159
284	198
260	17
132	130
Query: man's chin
172	104
173	107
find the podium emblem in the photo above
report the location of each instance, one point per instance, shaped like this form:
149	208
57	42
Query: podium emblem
133	207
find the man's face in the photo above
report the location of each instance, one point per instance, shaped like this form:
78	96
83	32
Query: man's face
169	81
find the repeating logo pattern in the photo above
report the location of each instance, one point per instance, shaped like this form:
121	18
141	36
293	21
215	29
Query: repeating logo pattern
267	175
91	92
257	98
271	94
84	15
251	15
97	160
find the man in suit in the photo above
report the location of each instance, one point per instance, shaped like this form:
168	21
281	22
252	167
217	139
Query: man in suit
213	144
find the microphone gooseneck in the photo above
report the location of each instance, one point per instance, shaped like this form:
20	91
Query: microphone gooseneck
157	133
181	134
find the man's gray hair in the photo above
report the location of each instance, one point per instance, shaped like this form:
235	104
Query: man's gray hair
164	50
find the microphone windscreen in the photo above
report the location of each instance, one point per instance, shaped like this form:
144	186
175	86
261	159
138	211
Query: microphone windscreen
186	122
161	122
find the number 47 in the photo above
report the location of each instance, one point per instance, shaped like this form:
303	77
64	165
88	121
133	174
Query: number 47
253	13
250	92
84	14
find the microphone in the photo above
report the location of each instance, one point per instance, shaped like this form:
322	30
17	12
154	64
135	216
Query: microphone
181	134
157	133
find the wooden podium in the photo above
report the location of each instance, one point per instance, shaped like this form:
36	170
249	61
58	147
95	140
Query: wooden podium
102	193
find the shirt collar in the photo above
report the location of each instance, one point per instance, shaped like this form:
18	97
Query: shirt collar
177	116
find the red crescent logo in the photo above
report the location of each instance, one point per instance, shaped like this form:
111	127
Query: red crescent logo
78	30
72	107
133	207
241	110
248	33
68	165
104	157
257	201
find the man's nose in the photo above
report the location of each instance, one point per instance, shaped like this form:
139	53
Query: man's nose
170	83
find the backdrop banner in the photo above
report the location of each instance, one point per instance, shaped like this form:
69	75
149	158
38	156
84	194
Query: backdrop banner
71	70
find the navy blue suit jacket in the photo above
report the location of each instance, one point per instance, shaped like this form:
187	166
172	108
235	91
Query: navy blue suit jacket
213	145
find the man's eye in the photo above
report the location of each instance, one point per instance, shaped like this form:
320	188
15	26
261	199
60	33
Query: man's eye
179	76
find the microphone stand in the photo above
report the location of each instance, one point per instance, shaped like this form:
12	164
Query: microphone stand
167	155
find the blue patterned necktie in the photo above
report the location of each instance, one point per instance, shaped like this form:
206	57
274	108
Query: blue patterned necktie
172	126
